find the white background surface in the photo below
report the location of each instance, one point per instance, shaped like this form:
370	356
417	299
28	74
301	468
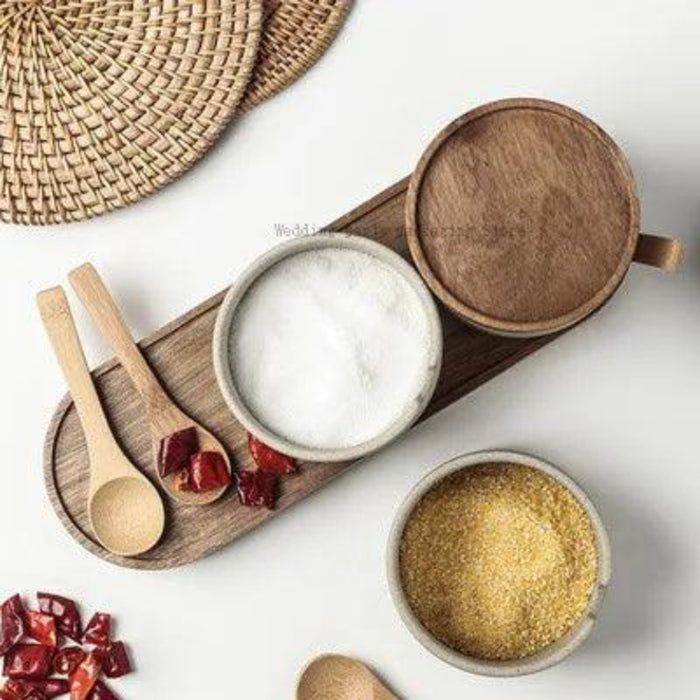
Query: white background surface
616	402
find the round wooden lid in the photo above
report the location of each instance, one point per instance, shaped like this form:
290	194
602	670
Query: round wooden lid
523	216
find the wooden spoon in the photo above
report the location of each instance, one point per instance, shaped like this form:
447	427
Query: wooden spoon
164	416
126	511
336	677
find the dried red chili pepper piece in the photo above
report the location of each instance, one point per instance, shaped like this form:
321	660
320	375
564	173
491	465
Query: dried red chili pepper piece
41	627
28	661
12	623
257	488
67	660
102	691
176	450
85	676
15	689
64	611
116	662
269	459
49	688
8	692
99	630
208	471
52	687
20	690
34	695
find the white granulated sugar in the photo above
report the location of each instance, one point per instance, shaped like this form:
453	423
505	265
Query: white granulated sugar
329	346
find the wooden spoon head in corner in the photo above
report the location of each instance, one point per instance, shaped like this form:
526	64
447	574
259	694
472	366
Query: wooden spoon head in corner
336	677
172	420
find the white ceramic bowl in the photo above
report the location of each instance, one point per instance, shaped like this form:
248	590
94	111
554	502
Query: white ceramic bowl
549	656
222	333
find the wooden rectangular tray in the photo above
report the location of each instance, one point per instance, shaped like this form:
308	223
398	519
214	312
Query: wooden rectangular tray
181	355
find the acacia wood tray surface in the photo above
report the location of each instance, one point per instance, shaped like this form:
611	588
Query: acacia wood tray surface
181	355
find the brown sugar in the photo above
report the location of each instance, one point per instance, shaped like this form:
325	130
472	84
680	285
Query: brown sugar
498	561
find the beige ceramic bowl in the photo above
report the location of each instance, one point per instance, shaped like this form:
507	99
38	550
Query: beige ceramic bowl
554	653
234	297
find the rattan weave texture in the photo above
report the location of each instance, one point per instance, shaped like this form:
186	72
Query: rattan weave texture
297	32
103	102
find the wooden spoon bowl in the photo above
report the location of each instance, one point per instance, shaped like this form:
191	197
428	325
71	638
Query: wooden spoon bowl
127	515
337	677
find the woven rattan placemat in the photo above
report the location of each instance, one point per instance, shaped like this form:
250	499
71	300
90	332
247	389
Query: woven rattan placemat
103	102
297	32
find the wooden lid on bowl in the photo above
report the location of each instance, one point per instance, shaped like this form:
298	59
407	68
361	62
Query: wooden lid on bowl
523	216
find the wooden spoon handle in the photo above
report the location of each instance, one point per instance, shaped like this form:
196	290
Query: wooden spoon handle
60	327
97	299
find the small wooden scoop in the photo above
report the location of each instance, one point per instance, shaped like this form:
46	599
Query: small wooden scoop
164	416
336	677
126	511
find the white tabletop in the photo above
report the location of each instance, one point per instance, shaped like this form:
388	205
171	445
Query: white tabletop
615	402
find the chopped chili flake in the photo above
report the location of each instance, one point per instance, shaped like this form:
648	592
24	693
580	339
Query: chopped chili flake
20	690
53	687
34	695
176	450
102	691
11	689
41	627
67	660
269	459
85	676
16	689
116	662
49	688
12	623
65	611
208	471
257	488
28	661
99	630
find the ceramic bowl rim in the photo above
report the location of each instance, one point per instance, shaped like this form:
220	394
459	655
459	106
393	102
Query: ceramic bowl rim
551	655
237	291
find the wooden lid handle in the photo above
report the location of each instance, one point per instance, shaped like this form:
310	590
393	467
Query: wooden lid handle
657	251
